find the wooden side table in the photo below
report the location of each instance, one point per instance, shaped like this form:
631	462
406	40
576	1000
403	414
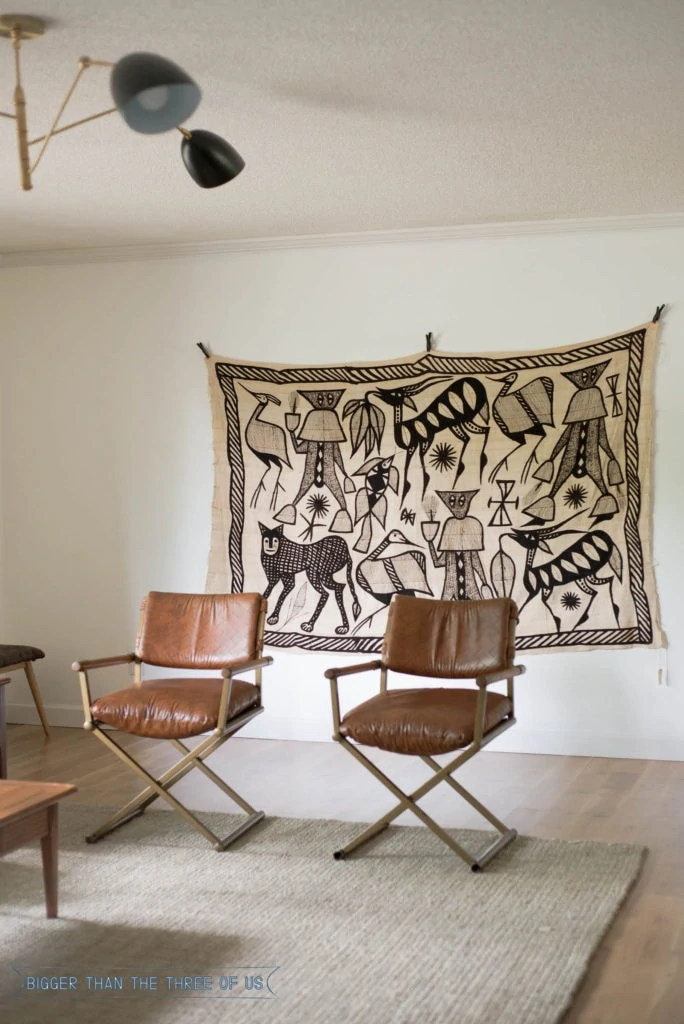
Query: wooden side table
3	728
28	810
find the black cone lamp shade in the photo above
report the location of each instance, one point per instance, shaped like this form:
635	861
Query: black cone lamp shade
152	94
210	160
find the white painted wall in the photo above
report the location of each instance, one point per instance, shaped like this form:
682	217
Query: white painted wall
3	341
106	441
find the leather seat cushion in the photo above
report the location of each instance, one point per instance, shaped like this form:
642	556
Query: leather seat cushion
14	654
424	722
172	708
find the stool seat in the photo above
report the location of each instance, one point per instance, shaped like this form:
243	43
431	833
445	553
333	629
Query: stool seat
14	654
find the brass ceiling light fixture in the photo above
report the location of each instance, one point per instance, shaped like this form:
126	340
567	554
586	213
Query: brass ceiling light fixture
151	93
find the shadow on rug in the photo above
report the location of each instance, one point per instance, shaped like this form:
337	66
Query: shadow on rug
156	926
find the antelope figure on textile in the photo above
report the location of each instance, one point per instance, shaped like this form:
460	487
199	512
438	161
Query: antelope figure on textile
462	408
522	414
268	442
577	564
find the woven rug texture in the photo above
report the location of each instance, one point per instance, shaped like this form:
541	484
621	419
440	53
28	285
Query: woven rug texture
402	932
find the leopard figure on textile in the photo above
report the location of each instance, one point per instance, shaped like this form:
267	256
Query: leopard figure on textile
282	559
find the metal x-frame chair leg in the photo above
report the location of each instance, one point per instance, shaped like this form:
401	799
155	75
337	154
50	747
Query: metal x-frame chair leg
159	787
434	639
408	802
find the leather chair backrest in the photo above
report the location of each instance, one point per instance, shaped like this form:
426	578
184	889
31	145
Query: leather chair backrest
199	631
449	639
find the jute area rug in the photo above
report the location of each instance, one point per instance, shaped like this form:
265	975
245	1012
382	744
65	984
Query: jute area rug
402	932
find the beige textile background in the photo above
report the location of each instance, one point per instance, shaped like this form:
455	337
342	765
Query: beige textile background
445	475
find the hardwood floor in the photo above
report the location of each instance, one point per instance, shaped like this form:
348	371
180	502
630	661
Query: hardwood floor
637	977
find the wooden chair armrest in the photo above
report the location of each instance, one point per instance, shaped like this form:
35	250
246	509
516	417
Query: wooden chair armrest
499	677
119	659
350	670
246	666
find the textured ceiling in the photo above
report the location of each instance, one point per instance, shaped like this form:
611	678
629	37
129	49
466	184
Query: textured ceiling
356	115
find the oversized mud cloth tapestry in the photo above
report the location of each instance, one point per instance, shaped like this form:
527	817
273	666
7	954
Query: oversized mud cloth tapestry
444	475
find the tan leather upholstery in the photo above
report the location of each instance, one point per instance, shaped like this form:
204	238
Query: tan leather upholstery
199	631
223	632
449	639
172	708
424	722
435	640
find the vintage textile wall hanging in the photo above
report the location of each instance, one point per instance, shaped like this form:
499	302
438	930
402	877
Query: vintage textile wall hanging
453	476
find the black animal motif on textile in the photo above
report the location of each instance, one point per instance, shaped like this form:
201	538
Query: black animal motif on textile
458	477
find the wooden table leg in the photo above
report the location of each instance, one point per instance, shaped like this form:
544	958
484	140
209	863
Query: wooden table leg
48	846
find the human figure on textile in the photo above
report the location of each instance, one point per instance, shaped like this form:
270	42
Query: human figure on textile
580	447
319	439
459	549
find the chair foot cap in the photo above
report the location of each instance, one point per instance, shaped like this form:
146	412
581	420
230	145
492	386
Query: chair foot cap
475	868
339	855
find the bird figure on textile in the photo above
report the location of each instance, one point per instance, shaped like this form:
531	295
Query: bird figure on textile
522	414
395	566
268	442
371	500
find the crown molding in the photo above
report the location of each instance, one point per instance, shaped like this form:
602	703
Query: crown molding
183	250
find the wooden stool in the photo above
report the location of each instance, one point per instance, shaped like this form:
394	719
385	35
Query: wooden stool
18	656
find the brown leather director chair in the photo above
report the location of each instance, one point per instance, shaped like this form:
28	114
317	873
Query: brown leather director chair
436	640
220	632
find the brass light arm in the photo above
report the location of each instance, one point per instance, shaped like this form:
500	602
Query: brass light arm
83	64
12	116
54	124
74	124
20	113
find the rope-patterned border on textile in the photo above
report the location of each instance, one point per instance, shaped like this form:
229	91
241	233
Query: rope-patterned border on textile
237	481
632	538
371	645
428	362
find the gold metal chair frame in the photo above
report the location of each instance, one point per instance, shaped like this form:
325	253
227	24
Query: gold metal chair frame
408	801
192	758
